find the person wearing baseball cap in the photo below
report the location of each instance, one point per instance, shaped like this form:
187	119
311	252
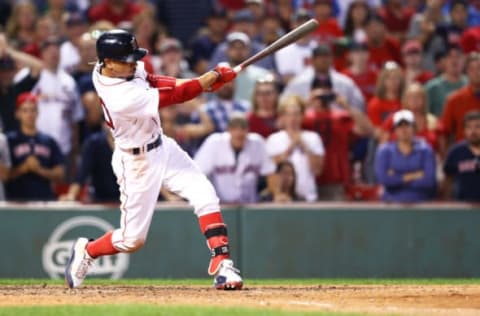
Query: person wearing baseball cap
406	166
358	69
37	161
172	62
239	47
412	52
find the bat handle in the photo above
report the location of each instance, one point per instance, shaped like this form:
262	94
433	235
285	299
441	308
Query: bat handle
238	68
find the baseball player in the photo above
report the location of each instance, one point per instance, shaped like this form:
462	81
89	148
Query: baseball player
144	159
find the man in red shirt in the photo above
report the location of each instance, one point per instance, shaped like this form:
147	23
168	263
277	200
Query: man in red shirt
364	76
382	47
337	126
114	11
462	101
328	29
397	17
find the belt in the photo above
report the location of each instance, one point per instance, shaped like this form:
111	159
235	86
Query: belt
145	148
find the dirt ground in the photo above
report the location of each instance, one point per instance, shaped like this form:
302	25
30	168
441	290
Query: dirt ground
374	299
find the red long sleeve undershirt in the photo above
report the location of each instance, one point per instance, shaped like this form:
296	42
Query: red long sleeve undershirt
170	93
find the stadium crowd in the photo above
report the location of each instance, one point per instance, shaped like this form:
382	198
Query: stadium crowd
381	102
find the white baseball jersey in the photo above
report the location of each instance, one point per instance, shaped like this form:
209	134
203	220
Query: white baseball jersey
234	177
131	110
59	106
130	107
278	143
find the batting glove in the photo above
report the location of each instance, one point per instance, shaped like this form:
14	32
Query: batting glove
225	74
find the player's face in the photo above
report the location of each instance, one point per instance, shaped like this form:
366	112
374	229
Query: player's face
472	132
27	114
120	69
238	136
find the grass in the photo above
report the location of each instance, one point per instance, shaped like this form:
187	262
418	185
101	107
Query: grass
208	282
150	310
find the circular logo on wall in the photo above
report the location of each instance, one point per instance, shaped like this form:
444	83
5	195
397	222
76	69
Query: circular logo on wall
57	250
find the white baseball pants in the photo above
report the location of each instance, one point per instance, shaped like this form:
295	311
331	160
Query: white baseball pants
140	178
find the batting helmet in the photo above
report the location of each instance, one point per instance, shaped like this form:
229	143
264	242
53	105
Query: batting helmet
119	45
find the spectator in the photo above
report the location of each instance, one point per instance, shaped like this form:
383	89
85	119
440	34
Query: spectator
44	28
322	67
241	158
206	42
263	118
37	161
20	28
345	5
382	46
451	31
303	148
462	101
474	13
82	71
18	73
5	164
284	185
188	124
426	124
145	28
243	22
76	25
237	51
295	58
59	106
271	29
452	79
172	62
114	11
56	11
356	19
93	113
462	164
397	17
95	168
423	27
257	9
364	76
328	29
221	108
388	93
412	59
406	167
338	126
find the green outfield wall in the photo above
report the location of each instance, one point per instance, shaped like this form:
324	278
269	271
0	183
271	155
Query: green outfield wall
324	240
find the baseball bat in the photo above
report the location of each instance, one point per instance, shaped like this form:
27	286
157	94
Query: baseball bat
280	43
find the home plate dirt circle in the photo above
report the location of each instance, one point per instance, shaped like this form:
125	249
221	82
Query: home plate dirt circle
381	299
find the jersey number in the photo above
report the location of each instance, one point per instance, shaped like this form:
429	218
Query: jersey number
108	118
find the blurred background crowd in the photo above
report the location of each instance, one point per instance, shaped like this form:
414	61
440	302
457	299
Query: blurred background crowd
381	102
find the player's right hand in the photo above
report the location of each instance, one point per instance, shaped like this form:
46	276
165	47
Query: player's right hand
226	73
